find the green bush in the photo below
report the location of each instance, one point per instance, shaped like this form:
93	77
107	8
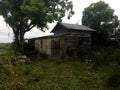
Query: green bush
113	80
29	47
42	55
85	55
116	56
100	58
9	78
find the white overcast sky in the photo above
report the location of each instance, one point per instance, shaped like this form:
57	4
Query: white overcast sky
79	5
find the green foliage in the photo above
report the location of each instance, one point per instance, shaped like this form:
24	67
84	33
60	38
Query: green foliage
9	79
116	56
60	74
23	15
113	81
43	55
116	37
29	47
84	52
101	57
100	17
85	55
105	56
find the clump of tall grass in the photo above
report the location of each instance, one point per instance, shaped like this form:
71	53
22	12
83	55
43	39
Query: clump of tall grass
9	78
106	56
113	81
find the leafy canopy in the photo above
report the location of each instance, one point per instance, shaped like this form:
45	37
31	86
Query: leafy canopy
32	13
23	15
100	17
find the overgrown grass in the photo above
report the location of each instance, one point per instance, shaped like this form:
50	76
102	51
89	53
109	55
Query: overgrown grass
59	74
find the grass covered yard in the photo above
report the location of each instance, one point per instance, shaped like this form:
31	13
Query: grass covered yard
58	74
63	75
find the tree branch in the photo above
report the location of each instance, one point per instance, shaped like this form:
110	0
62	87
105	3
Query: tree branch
29	27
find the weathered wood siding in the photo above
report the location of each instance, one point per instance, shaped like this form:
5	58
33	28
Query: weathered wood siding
64	45
60	29
72	43
43	45
55	47
77	41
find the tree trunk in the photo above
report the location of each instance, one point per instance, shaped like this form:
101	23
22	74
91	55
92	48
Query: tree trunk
22	41
16	38
16	41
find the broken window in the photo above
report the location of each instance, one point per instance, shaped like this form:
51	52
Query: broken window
82	41
56	44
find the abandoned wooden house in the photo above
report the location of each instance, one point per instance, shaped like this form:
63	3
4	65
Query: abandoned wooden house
68	40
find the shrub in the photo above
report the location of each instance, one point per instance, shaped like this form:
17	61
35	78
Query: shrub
100	58
85	55
116	56
43	55
113	80
9	78
28	47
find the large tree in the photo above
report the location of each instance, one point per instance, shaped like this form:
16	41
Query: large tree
100	17
23	15
115	37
